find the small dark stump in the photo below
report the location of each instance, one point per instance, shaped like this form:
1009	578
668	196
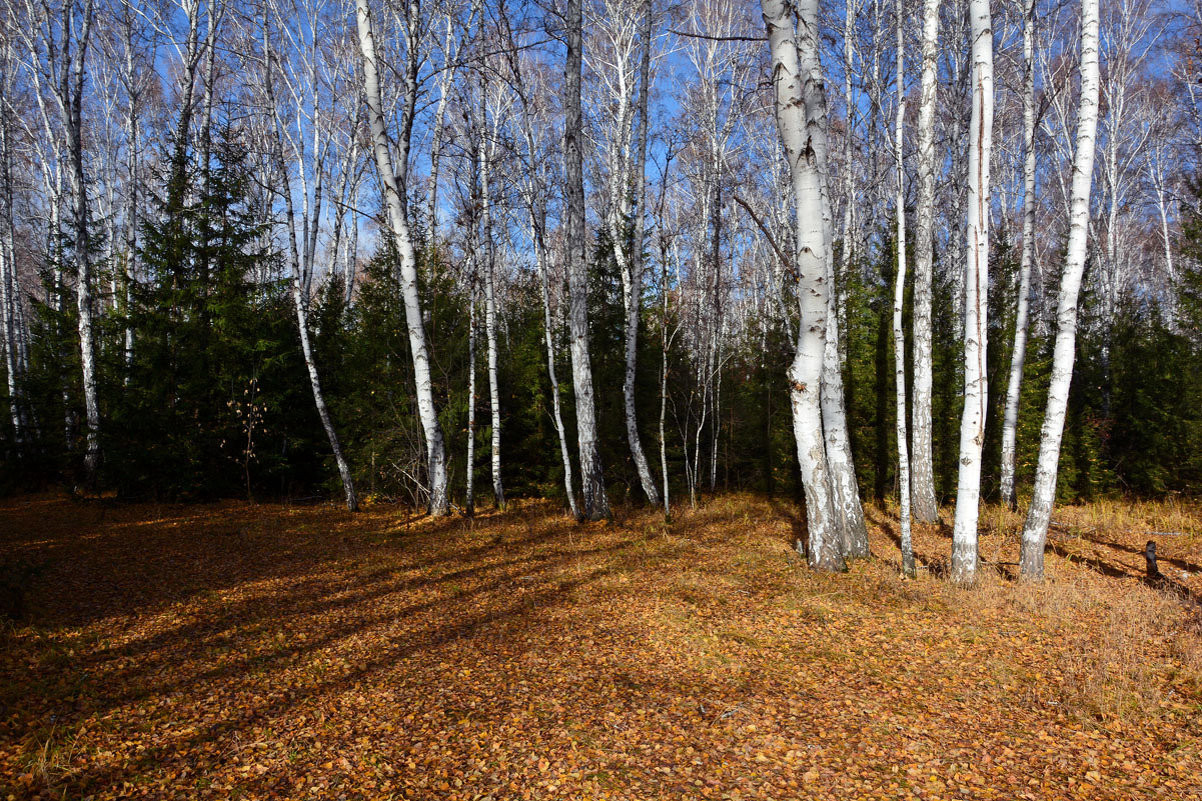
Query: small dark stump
1150	555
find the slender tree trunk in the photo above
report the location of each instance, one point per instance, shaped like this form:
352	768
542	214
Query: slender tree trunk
1162	207
899	299
352	247
319	400
59	302
299	300
10	296
469	494
849	178
976	290
490	325
8	299
663	379
73	125
206	117
634	283
444	84
1035	531
922	489
540	253
801	119
1018	359
336	247
592	478
536	207
399	222
130	266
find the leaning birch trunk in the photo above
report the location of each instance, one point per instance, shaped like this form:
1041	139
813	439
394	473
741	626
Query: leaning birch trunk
592	478
800	117
1035	531
634	283
976	285
299	299
1017	361
922	488
540	254
435	449
319	399
899	299
490	327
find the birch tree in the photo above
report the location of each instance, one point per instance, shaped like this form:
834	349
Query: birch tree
532	188
56	43
10	295
922	490
592	478
976	288
392	177
302	259
800	105
1021	324
845	489
899	299
1035	529
624	69
499	103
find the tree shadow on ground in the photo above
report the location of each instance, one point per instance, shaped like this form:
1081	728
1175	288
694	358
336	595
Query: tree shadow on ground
223	615
937	565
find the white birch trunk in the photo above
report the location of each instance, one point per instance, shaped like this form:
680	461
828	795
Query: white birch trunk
536	208
976	287
392	189
8	300
922	490
444	85
1018	359
899	298
592	478
72	107
634	285
299	296
845	489
801	119
663	378
10	296
549	341
130	267
469	494
319	400
490	325
851	10
1035	530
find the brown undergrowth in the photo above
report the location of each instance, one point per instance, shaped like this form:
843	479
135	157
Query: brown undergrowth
236	651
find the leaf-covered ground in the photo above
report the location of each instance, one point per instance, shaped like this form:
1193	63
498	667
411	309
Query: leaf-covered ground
236	651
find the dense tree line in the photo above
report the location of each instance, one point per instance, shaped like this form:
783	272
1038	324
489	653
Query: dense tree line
604	251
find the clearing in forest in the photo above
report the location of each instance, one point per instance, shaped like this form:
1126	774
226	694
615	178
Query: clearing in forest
237	651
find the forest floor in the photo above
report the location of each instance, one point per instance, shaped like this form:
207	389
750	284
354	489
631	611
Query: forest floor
237	651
